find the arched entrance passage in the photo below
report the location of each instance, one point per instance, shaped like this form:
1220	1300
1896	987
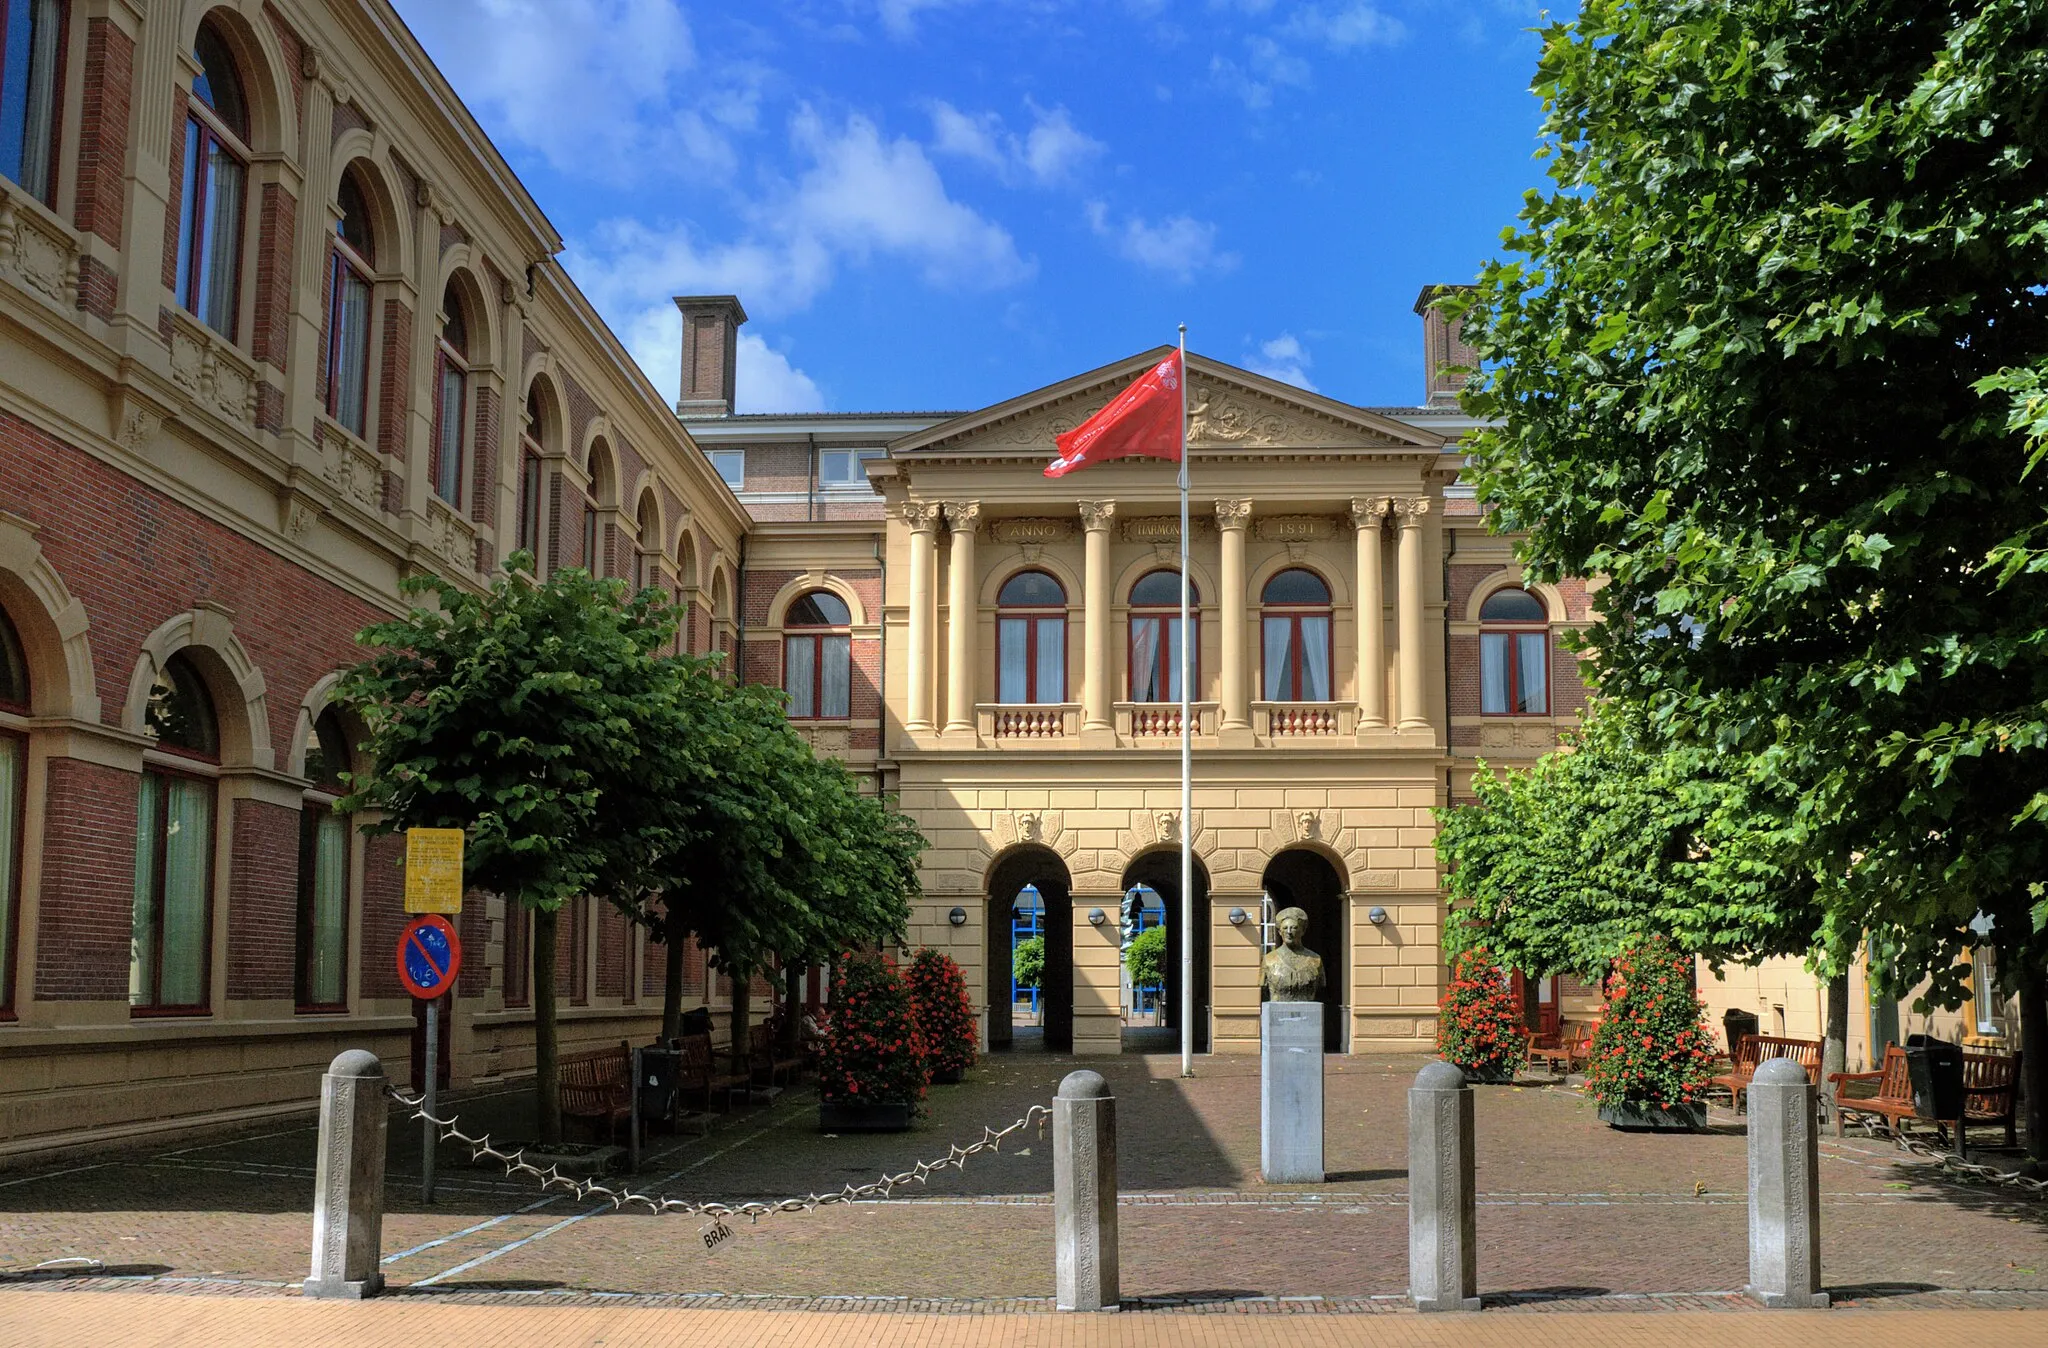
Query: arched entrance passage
1042	869
1160	870
1304	879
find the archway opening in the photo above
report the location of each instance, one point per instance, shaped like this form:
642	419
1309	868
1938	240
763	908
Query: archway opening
1030	897
1159	871
1304	879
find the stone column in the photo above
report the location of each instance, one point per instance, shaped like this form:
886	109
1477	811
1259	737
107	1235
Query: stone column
1291	1092
1372	626
1408	617
1443	1257
923	518
961	611
1084	1194
1098	685
1784	1188
1232	517
348	1180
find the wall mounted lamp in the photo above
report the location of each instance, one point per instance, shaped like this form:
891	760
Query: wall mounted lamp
1096	917
958	917
1376	916
1237	917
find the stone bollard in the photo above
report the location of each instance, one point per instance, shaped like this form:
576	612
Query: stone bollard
1784	1187
348	1180
1084	1194
1443	1258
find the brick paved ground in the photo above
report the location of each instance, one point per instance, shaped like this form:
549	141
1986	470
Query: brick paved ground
1572	1214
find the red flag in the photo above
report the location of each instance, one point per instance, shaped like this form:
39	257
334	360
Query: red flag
1145	419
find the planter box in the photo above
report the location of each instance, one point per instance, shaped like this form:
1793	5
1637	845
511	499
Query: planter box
839	1116
1631	1117
952	1076
1490	1077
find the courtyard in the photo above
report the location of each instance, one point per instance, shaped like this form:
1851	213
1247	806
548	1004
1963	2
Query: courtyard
1572	1215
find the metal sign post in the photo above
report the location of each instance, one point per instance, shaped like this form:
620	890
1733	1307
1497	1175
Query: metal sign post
432	1090
429	959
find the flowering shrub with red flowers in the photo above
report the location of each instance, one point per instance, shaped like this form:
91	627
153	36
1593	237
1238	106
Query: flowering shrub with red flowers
1652	1047
872	1053
1480	1026
945	1014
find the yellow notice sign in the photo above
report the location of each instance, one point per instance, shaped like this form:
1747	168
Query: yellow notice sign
433	870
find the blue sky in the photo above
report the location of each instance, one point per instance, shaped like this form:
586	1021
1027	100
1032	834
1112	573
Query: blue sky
943	203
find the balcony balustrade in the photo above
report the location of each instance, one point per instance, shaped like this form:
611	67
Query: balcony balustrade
1028	722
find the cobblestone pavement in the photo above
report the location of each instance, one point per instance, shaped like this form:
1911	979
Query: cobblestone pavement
1572	1215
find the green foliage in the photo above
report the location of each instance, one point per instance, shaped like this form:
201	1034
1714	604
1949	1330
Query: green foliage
945	1013
1145	957
872	1052
1480	1026
1652	1047
1767	358
1556	867
1027	963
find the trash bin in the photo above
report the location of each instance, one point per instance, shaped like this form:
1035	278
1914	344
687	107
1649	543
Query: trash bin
1738	1025
1935	1068
697	1020
657	1084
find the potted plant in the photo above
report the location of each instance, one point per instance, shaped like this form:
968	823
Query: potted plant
1652	1054
1479	1027
872	1069
945	1015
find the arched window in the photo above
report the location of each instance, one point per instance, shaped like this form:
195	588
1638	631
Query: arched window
1514	655
1295	625
214	186
529	478
451	397
14	701
1031	639
31	65
322	982
817	657
1156	639
648	569
348	309
600	491
172	932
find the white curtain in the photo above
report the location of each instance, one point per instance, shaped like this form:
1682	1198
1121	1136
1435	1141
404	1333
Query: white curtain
1493	673
1315	659
1173	657
220	281
448	468
799	674
1279	633
837	697
1052	660
351	348
10	858
1533	672
149	813
1012	650
329	918
28	101
1145	660
188	848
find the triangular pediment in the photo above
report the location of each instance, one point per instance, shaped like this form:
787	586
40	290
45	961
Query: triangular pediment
1228	409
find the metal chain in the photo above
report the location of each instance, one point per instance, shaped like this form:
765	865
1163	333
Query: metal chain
1982	1174
515	1162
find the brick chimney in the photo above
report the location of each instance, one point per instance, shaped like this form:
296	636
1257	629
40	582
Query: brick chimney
711	334
1443	347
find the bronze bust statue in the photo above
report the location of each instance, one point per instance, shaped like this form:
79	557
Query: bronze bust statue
1290	972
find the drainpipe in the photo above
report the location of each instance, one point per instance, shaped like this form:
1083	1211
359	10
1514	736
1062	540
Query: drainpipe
882	643
811	482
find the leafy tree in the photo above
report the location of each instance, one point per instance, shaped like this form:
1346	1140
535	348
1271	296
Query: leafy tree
1145	957
525	715
1765	363
1027	963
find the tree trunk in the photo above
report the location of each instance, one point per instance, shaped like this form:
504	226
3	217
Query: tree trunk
742	1019
793	1008
672	986
2034	1063
1834	1053
547	1082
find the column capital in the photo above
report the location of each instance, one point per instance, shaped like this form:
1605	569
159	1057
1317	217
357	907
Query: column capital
1233	514
1411	509
1367	514
962	515
921	516
1096	515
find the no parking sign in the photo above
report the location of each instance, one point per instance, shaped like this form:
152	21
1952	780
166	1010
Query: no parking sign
429	956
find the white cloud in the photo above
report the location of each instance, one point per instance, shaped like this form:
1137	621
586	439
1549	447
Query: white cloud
1180	246
765	381
1049	154
900	16
1348	28
1285	359
1267	65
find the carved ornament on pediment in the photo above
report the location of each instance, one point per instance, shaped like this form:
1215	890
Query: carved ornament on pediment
1161	828
1036	828
1220	416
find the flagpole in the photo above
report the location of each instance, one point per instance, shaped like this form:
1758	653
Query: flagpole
1189	933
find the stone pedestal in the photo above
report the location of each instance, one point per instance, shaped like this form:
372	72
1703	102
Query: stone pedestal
1084	1194
1443	1257
348	1180
1291	1092
1784	1188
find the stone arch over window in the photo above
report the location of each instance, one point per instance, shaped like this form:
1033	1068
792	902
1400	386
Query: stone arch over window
1069	580
1153	637
206	637
269	113
648	533
461	290
812	582
1031	638
545	422
319	700
1514	653
1297	655
604	473
53	627
1511	578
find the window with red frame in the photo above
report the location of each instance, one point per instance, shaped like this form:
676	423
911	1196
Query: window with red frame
31	93
14	702
1294	618
817	657
1155	652
322	965
1031	639
171	940
1514	655
215	186
451	399
348	308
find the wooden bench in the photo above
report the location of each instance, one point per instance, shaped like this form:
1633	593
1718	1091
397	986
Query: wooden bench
770	1061
597	1087
698	1071
1991	1093
1573	1050
1757	1049
1893	1099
